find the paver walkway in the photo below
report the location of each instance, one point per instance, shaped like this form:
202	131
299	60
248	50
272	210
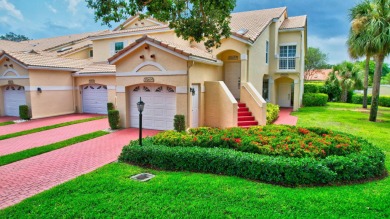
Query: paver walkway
28	177
285	117
38	139
7	118
36	123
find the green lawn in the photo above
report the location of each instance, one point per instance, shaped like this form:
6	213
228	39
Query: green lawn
6	123
10	158
109	193
45	128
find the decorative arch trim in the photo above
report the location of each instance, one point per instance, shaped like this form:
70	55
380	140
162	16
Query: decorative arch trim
147	63
10	70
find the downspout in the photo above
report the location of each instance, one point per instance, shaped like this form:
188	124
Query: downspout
73	94
189	65
301	76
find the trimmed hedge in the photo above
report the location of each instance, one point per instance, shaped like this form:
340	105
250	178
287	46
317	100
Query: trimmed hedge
110	106
272	113
24	112
313	99
179	123
113	119
383	100
280	170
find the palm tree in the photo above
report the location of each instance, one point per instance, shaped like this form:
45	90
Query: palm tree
349	76
372	19
359	46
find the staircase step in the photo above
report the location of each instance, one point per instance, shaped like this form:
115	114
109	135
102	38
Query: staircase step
243	109
247	123
244	114
241	105
246	118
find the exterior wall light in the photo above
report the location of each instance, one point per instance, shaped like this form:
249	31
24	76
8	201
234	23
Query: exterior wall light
192	90
39	90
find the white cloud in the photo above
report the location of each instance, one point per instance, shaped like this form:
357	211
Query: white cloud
51	8
11	9
72	5
334	47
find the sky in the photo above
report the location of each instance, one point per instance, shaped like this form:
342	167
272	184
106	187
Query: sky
328	22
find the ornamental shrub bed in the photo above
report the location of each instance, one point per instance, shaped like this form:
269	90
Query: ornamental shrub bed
365	164
273	140
314	88
272	113
311	99
383	100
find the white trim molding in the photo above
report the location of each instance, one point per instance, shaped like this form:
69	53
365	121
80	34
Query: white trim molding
111	87
152	73
244	57
124	34
93	74
49	88
181	89
291	29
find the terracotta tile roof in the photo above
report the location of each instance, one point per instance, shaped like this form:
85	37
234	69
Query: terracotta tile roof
14	46
157	27
253	21
96	68
118	28
294	22
54	42
317	74
37	59
180	49
76	47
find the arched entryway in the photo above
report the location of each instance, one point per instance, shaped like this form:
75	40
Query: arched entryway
284	92
160	106
232	71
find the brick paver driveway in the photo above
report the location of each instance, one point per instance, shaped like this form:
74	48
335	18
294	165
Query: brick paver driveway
28	177
36	123
7	118
38	139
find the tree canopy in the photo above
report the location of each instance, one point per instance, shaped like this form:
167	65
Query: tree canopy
13	37
198	20
315	59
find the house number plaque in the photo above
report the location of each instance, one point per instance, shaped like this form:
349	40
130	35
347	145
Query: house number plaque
10	82
92	81
149	79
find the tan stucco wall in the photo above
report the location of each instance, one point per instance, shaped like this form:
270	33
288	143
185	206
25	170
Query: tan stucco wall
83	54
198	74
109	81
293	79
57	96
137	23
256	104
221	107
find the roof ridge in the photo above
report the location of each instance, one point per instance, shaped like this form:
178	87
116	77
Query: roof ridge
267	9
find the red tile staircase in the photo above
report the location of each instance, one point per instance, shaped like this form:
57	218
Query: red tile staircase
245	118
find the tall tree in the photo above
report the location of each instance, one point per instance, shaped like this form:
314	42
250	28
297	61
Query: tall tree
372	19
199	20
349	76
315	59
13	37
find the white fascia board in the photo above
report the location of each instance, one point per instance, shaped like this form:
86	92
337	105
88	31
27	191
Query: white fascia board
206	61
52	68
117	35
291	30
241	40
93	74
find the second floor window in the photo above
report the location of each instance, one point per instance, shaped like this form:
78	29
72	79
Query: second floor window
266	52
287	57
118	46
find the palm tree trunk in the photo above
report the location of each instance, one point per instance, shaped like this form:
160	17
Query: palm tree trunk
376	87
344	94
367	69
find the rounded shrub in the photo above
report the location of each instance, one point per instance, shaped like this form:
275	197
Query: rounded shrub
384	101
311	99
113	119
110	106
347	158
272	113
311	88
24	112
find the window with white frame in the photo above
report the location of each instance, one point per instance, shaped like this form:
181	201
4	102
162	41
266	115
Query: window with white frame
266	52
287	57
118	46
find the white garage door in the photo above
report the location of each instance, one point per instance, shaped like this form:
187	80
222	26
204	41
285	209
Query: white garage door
160	106
14	96
95	98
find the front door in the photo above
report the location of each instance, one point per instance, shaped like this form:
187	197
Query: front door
284	95
195	106
233	77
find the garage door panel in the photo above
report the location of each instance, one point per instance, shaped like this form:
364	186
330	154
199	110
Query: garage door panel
95	98
160	106
14	96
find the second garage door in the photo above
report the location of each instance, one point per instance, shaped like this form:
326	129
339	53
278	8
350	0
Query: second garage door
95	98
160	106
14	96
